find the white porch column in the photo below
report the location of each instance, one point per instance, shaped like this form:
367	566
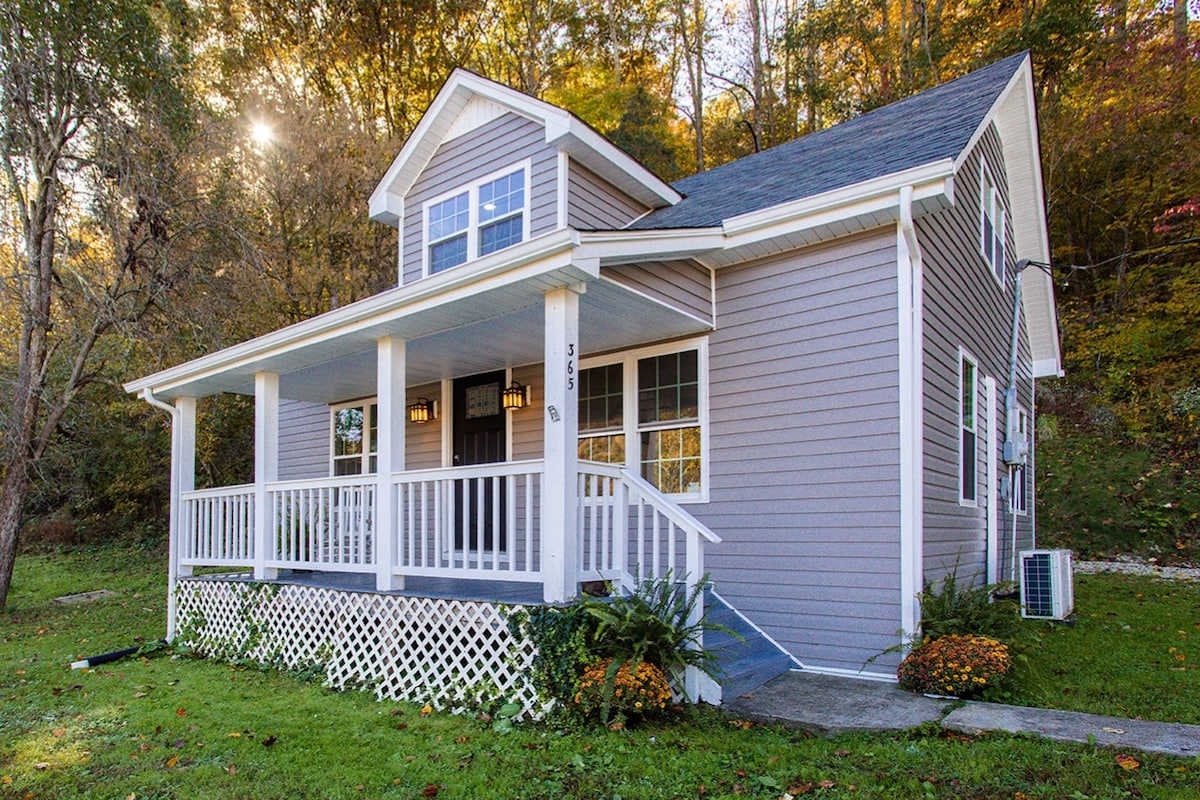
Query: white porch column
560	539
389	456
266	467
183	479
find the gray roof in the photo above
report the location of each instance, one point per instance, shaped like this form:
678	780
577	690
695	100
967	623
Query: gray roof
933	125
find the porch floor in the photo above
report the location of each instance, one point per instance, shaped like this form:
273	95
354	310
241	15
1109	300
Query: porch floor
514	592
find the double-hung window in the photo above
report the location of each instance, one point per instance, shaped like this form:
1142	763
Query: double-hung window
479	219
967	423
355	434
654	399
991	223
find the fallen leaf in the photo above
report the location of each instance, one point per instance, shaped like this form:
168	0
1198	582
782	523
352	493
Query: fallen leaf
397	712
841	753
6	780
1127	762
462	739
181	712
234	735
59	732
825	784
800	788
137	695
172	761
431	790
401	726
179	744
426	710
270	740
1113	730
231	769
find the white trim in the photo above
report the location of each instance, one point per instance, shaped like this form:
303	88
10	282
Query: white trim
841	672
563	190
964	355
471	190
910	338
631	430
992	546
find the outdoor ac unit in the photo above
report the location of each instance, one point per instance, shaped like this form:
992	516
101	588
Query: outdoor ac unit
1047	591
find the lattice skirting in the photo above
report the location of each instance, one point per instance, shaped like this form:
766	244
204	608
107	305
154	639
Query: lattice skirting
452	654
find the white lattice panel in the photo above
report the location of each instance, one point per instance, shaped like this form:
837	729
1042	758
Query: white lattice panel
451	654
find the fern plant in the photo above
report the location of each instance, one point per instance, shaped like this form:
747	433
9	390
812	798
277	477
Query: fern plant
655	625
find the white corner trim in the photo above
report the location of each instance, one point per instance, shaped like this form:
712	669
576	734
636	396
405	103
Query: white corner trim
910	291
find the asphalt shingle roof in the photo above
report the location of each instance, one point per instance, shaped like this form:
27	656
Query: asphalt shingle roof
926	127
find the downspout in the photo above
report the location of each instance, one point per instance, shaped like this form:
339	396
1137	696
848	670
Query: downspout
910	292
1015	450
173	516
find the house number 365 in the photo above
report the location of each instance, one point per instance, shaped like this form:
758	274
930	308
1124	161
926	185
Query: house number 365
570	366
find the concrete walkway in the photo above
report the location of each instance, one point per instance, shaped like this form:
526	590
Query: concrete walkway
830	704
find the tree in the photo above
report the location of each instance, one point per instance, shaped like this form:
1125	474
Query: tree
91	96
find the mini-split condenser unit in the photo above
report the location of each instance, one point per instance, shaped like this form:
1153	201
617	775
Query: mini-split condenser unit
1047	590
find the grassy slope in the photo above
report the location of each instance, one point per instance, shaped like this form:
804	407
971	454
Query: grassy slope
170	727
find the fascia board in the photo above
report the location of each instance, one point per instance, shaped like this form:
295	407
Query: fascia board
622	247
929	181
614	164
552	252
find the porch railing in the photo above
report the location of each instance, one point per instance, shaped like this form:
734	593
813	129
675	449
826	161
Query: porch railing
217	526
324	524
470	522
629	532
480	521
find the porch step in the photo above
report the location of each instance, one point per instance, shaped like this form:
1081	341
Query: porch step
744	664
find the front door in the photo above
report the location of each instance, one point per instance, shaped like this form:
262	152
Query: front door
479	438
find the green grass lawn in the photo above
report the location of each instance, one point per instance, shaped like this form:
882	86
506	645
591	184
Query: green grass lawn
172	727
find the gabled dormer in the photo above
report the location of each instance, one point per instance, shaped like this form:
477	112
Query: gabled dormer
489	167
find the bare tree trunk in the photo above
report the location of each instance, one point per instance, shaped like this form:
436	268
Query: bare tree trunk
12	499
691	26
1180	19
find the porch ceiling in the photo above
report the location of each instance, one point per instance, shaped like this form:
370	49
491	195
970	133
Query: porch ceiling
610	318
489	331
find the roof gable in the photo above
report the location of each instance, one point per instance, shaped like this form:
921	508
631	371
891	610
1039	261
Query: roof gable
468	100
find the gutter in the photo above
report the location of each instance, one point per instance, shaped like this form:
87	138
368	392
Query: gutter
147	394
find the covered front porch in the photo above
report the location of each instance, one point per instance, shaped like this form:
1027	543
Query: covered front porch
417	507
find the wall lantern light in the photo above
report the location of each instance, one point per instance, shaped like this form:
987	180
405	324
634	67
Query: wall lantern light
422	411
515	396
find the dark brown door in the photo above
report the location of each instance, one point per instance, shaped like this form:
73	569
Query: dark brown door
479	438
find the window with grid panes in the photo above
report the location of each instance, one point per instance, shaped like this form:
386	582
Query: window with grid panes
355	438
668	423
601	414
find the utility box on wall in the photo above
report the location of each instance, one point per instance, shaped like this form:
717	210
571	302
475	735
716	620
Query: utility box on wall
1047	587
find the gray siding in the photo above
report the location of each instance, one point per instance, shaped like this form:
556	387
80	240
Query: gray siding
528	435
423	443
965	306
498	144
680	284
804	446
595	204
303	440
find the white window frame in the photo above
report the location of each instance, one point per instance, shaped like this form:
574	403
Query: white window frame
1019	490
632	430
963	500
991	209
472	191
365	457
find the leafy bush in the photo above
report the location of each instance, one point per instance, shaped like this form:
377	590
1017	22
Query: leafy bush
962	666
654	625
952	608
563	637
622	688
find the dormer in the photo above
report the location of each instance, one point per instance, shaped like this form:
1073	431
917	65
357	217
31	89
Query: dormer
489	167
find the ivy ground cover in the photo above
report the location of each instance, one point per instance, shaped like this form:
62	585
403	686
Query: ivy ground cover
172	727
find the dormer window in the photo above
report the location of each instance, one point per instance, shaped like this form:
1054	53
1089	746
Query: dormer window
480	219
